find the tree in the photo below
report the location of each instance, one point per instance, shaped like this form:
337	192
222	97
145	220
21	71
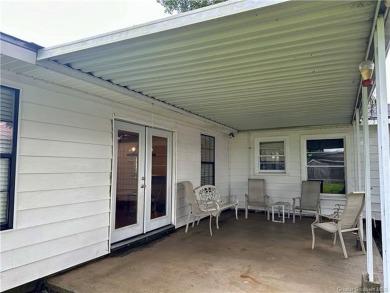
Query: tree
186	5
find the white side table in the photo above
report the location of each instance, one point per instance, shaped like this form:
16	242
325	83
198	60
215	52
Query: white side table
281	205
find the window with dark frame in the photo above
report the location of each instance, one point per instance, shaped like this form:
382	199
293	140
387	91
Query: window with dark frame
325	162
207	176
9	107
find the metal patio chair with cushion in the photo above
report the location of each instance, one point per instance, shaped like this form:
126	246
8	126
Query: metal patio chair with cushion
256	197
309	201
345	220
210	201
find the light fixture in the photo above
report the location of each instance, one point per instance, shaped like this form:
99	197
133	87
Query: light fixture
366	69
132	149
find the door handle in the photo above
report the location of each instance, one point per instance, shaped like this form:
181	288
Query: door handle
143	186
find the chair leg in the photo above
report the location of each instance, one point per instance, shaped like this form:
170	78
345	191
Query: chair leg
293	215
211	231
246	210
361	240
268	213
236	212
216	220
198	221
342	244
300	215
334	238
313	236
188	222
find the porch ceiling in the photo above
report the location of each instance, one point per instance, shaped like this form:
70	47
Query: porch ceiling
257	66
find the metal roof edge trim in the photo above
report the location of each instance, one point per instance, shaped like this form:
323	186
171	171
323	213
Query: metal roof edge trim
296	128
17	52
184	19
19	42
51	65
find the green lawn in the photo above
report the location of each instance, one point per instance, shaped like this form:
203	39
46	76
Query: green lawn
337	188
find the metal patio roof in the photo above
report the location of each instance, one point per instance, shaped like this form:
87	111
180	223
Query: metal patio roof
245	64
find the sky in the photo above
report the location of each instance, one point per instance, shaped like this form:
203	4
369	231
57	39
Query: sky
53	22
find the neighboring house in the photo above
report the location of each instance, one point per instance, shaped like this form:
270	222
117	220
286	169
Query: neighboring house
96	134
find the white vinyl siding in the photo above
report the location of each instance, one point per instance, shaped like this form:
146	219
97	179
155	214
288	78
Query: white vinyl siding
287	185
64	180
189	164
374	164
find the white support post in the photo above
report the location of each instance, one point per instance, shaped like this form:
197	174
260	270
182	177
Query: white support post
383	145
367	185
358	158
358	167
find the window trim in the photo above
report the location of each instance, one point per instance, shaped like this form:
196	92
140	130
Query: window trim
207	162
347	159
257	142
13	158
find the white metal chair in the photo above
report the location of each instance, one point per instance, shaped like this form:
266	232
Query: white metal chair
187	189
345	220
256	197
309	201
209	204
209	201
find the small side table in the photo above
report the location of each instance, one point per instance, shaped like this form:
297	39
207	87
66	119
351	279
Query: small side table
281	205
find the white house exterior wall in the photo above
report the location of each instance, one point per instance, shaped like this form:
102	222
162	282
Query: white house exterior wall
374	163
62	198
286	186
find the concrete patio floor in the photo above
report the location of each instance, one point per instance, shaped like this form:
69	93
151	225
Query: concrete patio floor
253	255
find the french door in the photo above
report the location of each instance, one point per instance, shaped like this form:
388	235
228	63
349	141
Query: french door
142	197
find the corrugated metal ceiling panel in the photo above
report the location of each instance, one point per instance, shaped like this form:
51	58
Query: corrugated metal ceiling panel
38	73
289	64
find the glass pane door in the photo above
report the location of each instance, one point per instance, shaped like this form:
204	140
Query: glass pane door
158	191
128	196
141	197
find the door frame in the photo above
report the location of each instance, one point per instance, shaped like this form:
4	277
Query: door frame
117	118
151	224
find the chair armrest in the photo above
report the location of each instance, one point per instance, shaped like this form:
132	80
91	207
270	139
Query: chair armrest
338	209
295	199
333	216
267	199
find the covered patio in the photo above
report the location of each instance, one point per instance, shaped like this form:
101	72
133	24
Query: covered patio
243	72
253	255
